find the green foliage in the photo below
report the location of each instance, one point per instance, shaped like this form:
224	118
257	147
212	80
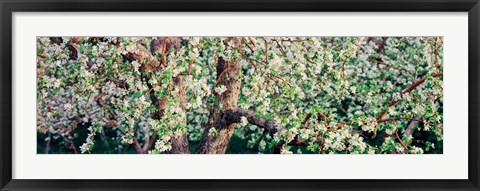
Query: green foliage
330	94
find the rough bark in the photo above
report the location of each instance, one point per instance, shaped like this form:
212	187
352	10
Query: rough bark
227	75
144	57
180	142
230	116
150	64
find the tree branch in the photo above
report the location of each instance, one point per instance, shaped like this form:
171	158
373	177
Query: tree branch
218	143
411	126
149	64
408	90
230	116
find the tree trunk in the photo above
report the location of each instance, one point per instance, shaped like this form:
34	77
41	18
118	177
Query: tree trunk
149	64
180	142
227	75
164	45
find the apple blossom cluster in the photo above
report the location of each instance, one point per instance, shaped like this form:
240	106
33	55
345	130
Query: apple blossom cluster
329	95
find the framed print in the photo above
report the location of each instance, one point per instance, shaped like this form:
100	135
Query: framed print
239	95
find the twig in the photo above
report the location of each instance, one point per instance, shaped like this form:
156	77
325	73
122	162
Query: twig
266	50
249	59
281	47
245	42
401	142
397	118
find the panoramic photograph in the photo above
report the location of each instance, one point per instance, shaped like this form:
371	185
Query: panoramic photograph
239	95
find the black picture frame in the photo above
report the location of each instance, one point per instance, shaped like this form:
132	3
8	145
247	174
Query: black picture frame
10	6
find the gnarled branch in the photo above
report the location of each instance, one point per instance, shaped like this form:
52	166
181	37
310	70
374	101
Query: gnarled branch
230	116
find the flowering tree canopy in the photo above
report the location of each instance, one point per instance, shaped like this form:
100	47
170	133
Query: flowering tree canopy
240	95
